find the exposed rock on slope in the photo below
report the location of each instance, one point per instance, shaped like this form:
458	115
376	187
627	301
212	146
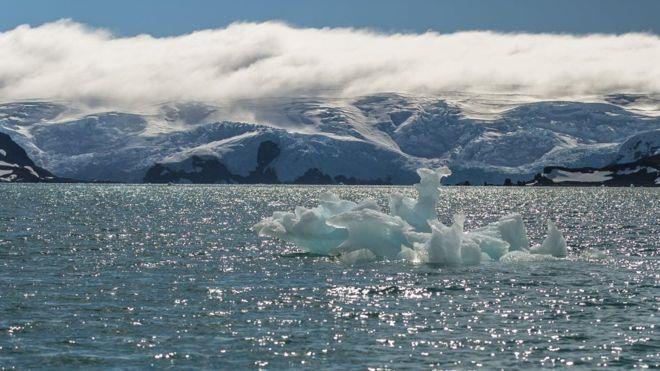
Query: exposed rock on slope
16	166
210	169
380	138
643	172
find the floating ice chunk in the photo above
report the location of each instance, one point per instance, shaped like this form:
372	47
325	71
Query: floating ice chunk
411	255
593	254
372	230
492	246
554	244
417	237
524	256
361	232
358	257
471	253
485	257
367	204
444	246
511	229
306	228
497	239
418	212
330	204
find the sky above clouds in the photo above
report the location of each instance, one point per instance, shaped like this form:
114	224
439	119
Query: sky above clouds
104	56
175	17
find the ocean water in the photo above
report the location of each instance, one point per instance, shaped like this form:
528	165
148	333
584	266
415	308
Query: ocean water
123	276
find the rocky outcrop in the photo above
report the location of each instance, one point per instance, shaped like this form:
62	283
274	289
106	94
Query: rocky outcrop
210	169
199	170
644	172
16	165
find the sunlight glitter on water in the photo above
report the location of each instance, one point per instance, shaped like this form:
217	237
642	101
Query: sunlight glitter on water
133	276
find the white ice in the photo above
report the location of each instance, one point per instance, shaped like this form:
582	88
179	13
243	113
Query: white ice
373	230
419	212
554	244
358	257
558	176
497	239
359	232
307	228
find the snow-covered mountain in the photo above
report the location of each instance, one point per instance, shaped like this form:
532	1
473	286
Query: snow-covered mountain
374	139
16	166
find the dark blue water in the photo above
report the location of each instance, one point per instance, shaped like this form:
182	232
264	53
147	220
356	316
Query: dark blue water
105	276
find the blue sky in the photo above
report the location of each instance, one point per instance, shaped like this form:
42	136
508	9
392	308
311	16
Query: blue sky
174	17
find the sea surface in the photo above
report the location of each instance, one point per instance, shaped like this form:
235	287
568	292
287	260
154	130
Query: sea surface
138	276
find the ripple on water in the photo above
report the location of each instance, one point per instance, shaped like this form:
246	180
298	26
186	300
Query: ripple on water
132	276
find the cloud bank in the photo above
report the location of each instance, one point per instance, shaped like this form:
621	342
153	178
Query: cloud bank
68	61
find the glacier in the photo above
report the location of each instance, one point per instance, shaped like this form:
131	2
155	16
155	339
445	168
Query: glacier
16	166
362	232
375	139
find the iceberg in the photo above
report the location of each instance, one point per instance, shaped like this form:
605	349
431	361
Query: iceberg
497	239
444	244
419	212
373	230
554	244
361	232
358	257
307	228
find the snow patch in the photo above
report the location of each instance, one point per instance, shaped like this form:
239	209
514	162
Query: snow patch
559	176
31	170
2	163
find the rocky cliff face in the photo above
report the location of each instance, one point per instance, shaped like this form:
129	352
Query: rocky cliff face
210	169
16	166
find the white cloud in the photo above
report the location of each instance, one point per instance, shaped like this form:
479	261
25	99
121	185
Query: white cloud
65	60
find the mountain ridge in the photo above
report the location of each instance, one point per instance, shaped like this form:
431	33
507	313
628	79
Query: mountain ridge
16	165
380	138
